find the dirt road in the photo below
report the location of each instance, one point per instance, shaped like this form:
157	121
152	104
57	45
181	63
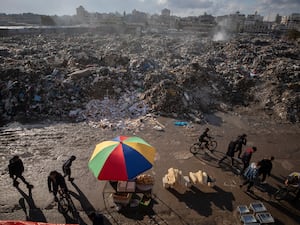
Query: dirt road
43	147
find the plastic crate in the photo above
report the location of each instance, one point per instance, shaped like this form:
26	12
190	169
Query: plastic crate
257	207
243	209
248	219
265	218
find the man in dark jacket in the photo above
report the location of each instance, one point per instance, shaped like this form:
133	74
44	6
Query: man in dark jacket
241	140
230	152
265	167
16	169
55	180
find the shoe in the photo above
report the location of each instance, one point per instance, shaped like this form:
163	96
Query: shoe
71	179
241	185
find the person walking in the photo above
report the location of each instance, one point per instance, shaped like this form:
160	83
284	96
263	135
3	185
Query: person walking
247	157
16	169
56	180
241	140
67	167
265	167
230	152
250	176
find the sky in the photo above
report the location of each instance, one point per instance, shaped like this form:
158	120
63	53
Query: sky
266	8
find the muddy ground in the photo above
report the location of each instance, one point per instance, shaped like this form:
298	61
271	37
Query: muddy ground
44	146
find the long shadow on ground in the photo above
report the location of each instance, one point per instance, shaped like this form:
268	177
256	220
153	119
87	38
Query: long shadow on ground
290	210
140	211
34	214
220	198
85	203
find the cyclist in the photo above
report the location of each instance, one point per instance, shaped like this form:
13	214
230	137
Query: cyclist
293	180
204	137
55	180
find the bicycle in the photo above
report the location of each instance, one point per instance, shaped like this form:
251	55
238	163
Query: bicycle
201	146
283	192
65	204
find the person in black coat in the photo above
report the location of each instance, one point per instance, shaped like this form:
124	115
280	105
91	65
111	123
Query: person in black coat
265	168
56	180
241	140
230	152
16	169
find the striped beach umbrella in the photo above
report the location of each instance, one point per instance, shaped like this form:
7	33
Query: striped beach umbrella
122	158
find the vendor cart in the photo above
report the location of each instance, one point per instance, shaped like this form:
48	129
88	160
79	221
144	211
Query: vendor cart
131	193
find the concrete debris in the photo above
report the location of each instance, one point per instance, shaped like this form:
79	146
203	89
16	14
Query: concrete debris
110	80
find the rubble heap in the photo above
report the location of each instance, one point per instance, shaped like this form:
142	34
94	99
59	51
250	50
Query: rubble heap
107	79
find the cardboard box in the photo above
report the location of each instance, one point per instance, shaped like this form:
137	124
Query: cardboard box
122	198
126	186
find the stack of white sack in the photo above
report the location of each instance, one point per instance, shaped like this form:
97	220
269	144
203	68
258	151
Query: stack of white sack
174	179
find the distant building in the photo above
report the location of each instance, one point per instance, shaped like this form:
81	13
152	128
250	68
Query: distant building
290	22
20	19
166	12
207	19
278	19
204	23
136	17
232	23
4	19
294	21
254	24
82	15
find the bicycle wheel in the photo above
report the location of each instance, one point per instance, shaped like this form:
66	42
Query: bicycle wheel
281	194
195	148
212	146
73	209
63	206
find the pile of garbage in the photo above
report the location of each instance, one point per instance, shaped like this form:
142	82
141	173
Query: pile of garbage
107	80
